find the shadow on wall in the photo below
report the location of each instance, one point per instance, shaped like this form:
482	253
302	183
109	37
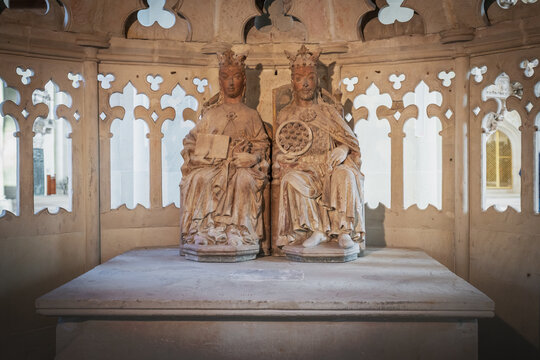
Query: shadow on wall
375	226
253	86
498	340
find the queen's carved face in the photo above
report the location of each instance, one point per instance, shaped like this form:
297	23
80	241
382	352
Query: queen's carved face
232	81
304	81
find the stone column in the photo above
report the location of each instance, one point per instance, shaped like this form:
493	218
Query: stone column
461	161
90	155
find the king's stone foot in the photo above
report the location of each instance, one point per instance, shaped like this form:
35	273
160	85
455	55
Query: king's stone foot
315	239
345	241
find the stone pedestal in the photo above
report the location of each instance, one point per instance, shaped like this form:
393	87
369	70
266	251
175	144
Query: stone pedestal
326	252
152	303
219	253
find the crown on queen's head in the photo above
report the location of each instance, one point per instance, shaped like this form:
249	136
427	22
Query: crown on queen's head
229	58
303	57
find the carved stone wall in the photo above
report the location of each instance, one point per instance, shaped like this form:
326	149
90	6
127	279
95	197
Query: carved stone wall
384	79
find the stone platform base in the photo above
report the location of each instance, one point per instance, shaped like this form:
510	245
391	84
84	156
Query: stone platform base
329	252
220	253
154	304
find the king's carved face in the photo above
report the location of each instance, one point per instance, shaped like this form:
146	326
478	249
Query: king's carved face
304	81
232	81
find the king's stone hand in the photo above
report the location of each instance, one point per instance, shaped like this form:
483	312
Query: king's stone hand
338	156
245	160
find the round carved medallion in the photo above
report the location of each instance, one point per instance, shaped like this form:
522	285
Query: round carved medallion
294	137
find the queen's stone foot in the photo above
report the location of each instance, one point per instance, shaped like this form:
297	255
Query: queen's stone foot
199	239
315	239
345	241
218	234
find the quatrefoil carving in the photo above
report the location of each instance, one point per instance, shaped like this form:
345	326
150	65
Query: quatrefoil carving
397	80
154	81
395	12
156	13
446	77
106	80
200	83
478	73
350	82
25	75
528	67
75	78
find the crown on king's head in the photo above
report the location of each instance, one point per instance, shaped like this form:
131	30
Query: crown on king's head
303	57
229	58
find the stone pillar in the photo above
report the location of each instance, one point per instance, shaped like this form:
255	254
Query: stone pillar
90	154
461	161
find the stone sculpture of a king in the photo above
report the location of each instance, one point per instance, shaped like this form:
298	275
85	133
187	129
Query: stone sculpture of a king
317	159
226	165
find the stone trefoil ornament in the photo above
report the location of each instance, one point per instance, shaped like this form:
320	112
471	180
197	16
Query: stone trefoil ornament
226	163
317	161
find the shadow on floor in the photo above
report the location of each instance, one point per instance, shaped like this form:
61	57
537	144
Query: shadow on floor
497	340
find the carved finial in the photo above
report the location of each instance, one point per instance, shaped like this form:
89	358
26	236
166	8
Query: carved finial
303	57
229	58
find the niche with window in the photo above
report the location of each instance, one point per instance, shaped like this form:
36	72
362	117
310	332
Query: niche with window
501	148
52	163
502	164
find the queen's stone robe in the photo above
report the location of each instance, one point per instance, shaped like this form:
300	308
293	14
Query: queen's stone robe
217	196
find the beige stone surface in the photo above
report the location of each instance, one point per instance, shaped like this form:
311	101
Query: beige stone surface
496	251
173	338
389	282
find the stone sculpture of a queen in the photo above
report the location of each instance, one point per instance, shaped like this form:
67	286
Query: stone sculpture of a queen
226	163
317	158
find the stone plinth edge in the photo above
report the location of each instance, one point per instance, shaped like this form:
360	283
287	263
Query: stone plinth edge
325	253
220	253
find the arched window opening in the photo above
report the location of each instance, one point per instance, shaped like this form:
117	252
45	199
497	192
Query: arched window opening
422	151
174	131
375	146
9	152
422	163
130	151
9	166
52	152
502	164
537	165
501	147
498	161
